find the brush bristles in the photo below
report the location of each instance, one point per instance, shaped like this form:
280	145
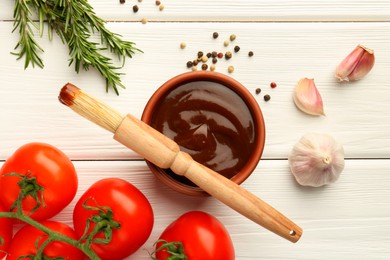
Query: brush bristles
90	108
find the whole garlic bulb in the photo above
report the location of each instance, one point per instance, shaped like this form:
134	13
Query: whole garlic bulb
316	160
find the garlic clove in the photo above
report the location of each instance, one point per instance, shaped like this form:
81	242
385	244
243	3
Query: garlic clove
307	98
356	65
316	160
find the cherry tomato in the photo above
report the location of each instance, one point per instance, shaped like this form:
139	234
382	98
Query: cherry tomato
52	170
5	233
130	208
28	238
203	237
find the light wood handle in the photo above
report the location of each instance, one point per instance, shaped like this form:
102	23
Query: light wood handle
165	153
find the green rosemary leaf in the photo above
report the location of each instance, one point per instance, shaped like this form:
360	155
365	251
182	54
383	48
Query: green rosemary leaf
75	22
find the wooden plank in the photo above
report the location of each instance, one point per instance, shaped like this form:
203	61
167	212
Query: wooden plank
231	10
284	53
345	220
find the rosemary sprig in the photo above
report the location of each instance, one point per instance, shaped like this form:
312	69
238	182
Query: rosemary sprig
75	22
27	44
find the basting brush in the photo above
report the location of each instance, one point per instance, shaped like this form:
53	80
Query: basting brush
165	153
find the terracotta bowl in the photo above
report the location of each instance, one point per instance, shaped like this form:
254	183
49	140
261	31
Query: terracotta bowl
153	109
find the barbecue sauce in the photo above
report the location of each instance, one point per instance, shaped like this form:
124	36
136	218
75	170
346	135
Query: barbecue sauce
210	122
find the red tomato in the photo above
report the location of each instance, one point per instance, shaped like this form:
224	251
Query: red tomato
25	242
129	207
203	237
5	233
53	171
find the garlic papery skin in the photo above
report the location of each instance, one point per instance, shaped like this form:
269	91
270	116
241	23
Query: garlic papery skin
356	65
307	98
316	160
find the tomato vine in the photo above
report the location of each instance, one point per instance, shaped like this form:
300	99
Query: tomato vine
53	235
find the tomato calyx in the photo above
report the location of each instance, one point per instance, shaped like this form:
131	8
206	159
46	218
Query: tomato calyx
104	223
52	236
33	257
175	249
43	257
40	255
28	187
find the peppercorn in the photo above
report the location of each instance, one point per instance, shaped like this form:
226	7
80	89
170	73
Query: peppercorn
258	90
212	67
194	68
122	1
190	64
215	35
236	48
200	54
161	7
232	37
208	55
214	60
144	20
195	62
135	8
273	85
183	45
204	58
158	2
220	55
228	55
214	54
267	97
204	66
230	69
226	43
250	54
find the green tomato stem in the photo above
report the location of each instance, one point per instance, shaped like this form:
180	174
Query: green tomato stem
84	247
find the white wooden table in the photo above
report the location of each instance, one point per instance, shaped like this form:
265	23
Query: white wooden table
290	39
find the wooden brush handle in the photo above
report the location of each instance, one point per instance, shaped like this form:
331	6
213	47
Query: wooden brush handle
165	153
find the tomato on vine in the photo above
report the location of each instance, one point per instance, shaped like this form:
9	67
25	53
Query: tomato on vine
195	235
115	216
43	176
5	233
29	241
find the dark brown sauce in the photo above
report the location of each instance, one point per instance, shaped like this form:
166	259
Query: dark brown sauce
210	122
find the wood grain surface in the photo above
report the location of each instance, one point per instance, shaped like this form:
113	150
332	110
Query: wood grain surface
349	219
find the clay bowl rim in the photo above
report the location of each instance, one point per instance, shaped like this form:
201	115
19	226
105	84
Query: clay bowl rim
237	87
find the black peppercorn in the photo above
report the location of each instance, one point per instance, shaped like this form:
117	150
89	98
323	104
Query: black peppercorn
215	35
122	1
208	55
267	97
200	54
135	8
228	55
204	66
258	90
158	2
195	62
214	54
236	48
214	60
189	64
250	54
